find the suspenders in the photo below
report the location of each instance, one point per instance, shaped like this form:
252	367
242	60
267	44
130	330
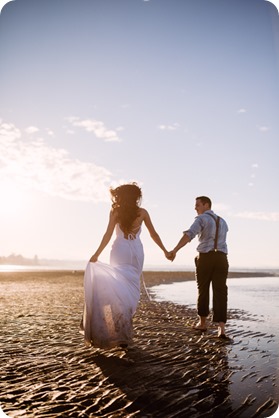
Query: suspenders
217	229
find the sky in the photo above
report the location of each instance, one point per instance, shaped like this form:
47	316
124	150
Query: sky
181	96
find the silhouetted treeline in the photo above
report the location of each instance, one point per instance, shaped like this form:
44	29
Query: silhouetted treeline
19	259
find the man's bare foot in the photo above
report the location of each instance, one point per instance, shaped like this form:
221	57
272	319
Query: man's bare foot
200	326
221	331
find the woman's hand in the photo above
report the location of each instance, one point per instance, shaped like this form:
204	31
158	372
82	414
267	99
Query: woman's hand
94	258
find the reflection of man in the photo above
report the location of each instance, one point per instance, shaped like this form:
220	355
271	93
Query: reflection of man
211	263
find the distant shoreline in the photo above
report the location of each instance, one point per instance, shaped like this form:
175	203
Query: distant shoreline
151	278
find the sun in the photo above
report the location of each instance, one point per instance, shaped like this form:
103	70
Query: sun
13	198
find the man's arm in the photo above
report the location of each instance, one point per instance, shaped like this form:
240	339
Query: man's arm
188	235
181	243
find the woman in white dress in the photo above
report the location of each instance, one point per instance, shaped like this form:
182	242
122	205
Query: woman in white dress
112	291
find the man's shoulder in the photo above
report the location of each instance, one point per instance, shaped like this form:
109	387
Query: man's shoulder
209	212
207	217
214	216
205	214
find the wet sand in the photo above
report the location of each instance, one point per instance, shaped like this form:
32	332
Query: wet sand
169	371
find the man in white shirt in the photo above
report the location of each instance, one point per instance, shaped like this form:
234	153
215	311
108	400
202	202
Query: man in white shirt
211	263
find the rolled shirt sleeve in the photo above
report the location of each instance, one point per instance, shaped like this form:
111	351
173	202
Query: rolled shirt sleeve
204	227
195	228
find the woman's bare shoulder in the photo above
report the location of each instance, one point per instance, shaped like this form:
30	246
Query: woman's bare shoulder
113	214
142	212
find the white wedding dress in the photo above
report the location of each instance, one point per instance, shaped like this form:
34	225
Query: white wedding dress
112	292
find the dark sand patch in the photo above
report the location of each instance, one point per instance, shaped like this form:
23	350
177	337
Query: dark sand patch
170	371
154	278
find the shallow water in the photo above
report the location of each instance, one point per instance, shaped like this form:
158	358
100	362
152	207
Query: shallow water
254	307
257	295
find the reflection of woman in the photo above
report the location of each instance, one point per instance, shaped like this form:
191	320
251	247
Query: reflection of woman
112	290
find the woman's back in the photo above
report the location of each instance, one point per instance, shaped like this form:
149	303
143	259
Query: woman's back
135	228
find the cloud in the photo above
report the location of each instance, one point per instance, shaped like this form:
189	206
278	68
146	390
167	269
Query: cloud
172	127
34	165
259	216
31	129
242	110
70	131
9	132
50	132
221	207
263	128
97	127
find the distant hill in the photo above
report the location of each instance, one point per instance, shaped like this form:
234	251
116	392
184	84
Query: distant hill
19	260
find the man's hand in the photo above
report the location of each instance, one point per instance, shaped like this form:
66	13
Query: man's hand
170	255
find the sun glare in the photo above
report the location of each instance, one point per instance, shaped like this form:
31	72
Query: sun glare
12	198
8	268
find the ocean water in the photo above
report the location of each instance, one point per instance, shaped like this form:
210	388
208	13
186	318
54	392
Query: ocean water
258	296
13	268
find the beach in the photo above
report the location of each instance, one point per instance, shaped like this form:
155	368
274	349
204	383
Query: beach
169	370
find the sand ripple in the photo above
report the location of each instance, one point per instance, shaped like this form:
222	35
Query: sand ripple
170	371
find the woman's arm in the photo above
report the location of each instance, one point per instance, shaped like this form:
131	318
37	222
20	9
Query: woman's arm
106	238
154	235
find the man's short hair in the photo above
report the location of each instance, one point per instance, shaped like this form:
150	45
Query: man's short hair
204	200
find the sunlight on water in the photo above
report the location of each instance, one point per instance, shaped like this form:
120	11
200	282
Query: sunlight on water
11	267
257	295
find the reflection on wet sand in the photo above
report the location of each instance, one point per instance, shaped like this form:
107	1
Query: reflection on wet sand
169	371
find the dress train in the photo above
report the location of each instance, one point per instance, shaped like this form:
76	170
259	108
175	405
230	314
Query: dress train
112	292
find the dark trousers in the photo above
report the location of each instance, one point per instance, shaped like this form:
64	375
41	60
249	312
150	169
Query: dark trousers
212	268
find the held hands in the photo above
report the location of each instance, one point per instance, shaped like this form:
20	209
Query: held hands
170	255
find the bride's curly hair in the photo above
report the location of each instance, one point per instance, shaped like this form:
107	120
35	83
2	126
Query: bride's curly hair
126	201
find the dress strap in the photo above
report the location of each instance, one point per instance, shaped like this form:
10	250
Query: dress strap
132	234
